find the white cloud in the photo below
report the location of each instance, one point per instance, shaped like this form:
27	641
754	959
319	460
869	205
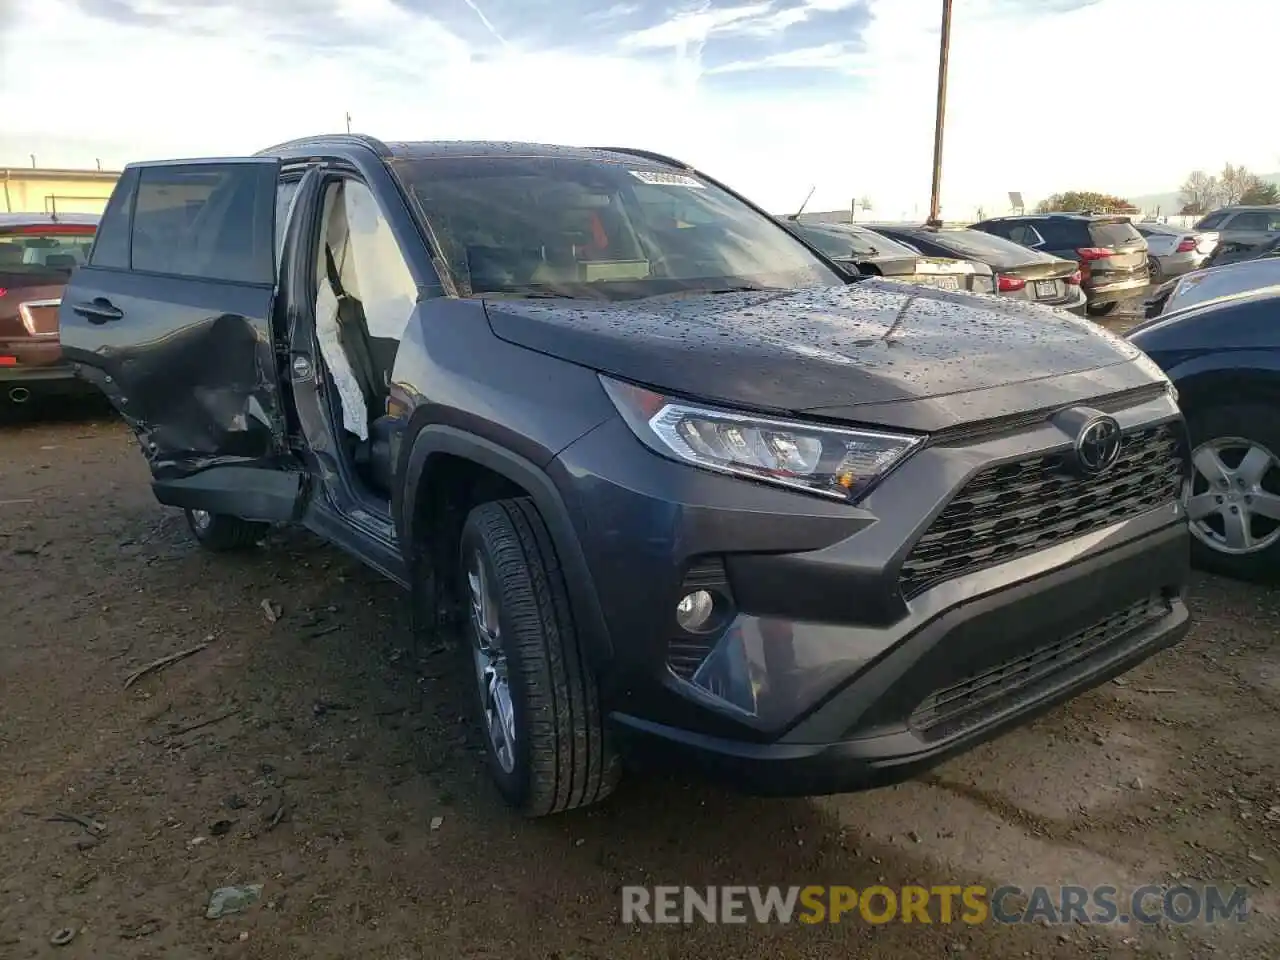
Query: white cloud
1123	95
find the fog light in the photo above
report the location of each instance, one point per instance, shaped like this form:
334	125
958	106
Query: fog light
694	611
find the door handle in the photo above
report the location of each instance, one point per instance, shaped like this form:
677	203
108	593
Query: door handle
98	310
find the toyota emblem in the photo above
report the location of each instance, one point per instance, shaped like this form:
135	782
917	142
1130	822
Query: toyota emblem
1098	445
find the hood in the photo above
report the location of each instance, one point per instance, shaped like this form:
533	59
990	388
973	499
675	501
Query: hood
871	351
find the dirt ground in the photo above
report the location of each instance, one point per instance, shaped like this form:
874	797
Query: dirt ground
316	756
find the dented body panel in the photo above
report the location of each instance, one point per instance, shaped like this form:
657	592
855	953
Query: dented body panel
190	365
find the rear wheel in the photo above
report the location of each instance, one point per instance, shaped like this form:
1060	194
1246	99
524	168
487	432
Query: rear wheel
1233	496
1101	309
535	694
220	532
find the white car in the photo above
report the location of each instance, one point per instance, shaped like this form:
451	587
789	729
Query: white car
1173	251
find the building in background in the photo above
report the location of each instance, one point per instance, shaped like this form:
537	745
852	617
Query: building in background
37	190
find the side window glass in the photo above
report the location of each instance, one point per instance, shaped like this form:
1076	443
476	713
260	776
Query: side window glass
1062	235
1025	235
1211	221
379	272
209	221
1248	221
285	192
111	247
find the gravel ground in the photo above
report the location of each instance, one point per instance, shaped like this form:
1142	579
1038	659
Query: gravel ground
314	755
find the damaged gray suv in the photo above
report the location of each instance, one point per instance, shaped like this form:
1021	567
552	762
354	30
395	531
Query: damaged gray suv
692	495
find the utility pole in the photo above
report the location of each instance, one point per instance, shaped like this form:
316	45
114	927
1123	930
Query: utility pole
943	52
348	121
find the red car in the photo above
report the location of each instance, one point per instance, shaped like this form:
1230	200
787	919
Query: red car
38	252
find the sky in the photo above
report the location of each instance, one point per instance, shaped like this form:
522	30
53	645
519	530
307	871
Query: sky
771	96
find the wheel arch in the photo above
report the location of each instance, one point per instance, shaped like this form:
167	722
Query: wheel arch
447	471
1200	386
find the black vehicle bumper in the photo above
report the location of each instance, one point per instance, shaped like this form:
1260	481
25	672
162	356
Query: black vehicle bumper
57	380
964	677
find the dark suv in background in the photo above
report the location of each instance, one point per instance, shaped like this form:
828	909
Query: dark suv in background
1111	253
690	491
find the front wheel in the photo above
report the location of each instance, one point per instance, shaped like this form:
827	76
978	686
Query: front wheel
1101	309
1233	496
220	532
1153	270
534	692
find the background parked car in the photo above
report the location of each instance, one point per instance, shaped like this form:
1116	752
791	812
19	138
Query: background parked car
1224	358
1173	251
874	254
38	251
1112	255
1020	272
1201	286
1242	231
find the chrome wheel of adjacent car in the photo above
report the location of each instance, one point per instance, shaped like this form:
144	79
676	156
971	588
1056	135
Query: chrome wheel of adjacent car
201	519
490	662
1233	496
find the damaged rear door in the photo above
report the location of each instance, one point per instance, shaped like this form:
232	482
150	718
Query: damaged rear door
172	319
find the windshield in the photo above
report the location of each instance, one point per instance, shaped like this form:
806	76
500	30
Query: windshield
840	242
599	229
44	249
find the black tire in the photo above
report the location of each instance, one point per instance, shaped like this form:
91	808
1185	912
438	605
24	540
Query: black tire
1249	421
563	758
222	533
1153	270
1101	309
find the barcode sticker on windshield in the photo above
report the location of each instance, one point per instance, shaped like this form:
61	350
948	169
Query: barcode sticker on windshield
657	179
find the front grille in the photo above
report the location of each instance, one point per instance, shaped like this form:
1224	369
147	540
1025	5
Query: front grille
980	697
1015	509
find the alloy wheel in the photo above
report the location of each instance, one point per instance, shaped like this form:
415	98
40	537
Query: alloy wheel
201	519
490	659
1233	495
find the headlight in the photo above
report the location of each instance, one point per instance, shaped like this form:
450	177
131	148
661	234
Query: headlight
840	463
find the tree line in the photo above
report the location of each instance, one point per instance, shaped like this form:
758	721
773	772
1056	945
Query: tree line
1199	193
1202	192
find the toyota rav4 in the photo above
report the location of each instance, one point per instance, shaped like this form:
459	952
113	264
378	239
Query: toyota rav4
691	495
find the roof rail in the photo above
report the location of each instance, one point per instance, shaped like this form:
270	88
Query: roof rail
648	155
329	139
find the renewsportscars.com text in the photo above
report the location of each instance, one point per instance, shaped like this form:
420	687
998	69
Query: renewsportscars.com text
933	905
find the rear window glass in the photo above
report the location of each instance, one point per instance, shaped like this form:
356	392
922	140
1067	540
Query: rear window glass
1114	234
984	247
845	242
54	249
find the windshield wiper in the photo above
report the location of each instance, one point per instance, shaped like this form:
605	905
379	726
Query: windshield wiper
741	288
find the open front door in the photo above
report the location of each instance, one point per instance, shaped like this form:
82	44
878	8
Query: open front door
172	319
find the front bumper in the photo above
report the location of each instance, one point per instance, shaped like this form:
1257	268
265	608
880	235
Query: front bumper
818	682
1023	650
